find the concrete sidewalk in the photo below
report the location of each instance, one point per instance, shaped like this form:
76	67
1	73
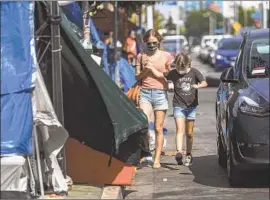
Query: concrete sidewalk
80	191
85	192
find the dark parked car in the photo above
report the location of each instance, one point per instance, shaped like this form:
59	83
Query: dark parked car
242	109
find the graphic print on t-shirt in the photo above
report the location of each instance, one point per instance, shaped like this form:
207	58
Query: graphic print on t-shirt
184	84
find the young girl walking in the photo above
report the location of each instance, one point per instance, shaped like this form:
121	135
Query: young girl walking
186	81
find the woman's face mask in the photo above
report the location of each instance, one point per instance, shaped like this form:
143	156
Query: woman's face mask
152	46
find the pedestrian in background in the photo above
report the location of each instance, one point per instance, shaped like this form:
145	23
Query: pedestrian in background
109	39
151	65
186	81
130	47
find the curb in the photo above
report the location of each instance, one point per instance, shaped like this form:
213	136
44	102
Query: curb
112	192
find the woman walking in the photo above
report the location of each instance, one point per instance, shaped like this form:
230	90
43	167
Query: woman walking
151	65
186	82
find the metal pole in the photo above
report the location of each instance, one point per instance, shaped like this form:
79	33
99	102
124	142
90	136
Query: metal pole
86	27
140	17
210	25
39	171
201	4
245	17
261	9
215	23
115	35
57	77
234	9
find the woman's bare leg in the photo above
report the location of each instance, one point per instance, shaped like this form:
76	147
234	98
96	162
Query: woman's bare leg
148	110
159	123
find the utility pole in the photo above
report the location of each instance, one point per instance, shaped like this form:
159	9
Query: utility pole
261	9
201	4
245	18
211	22
150	17
266	14
236	18
57	77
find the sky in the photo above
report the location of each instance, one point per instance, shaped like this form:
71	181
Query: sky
165	9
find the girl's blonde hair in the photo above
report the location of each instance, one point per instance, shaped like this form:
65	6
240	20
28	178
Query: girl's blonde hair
182	61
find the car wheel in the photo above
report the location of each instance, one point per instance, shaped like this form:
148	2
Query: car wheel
222	160
234	176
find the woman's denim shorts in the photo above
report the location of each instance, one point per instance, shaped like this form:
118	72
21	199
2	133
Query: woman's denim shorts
187	113
157	98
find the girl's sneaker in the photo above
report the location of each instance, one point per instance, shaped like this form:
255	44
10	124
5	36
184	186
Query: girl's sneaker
188	160
179	158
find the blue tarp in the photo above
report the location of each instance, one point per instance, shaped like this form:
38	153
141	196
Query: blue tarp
17	37
18	64
105	62
74	13
127	74
16	123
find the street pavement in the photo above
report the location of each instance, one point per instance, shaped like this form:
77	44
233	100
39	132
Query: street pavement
205	179
212	76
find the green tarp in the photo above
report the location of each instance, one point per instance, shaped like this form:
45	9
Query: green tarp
96	112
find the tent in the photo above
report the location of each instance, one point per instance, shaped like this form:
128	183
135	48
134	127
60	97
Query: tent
29	125
97	113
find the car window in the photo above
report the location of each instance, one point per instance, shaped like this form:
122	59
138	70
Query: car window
258	58
229	44
172	45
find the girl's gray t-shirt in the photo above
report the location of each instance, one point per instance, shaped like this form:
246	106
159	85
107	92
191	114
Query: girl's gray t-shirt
185	96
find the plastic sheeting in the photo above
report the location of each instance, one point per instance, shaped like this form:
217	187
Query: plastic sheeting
74	13
18	59
14	177
127	74
18	66
16	123
51	134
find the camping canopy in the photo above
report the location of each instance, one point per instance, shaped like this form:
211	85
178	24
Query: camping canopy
97	113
